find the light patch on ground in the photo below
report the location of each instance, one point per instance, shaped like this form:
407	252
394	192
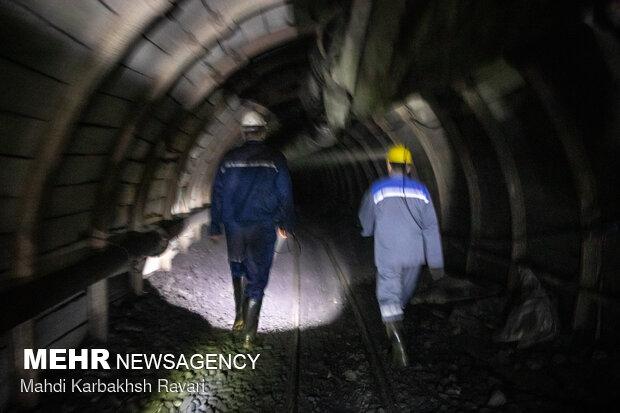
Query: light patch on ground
199	281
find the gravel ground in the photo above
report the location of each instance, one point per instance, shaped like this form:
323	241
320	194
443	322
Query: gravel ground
316	356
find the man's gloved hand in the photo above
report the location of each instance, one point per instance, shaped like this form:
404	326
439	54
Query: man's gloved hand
215	238
215	232
437	273
282	233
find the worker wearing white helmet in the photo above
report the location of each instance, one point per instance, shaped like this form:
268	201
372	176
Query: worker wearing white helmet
253	121
251	199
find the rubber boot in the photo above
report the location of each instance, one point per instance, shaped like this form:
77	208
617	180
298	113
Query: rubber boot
395	335
250	320
239	289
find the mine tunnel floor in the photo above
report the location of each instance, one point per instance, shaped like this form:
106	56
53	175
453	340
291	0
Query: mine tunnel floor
323	347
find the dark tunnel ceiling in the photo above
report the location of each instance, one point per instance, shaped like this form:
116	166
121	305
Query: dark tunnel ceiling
274	80
428	52
429	44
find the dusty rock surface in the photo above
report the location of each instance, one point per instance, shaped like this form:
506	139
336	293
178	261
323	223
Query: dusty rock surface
317	355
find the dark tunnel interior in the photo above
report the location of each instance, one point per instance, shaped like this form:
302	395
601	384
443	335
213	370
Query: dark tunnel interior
114	117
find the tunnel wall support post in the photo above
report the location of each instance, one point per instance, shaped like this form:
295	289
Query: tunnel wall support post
585	185
471	178
586	316
431	137
23	338
136	279
97	298
471	96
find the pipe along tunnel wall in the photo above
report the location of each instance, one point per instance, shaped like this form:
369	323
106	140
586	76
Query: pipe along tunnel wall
115	114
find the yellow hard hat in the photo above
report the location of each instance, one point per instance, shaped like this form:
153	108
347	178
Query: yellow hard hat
399	154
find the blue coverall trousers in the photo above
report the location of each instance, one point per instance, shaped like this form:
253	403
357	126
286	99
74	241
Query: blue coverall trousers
250	253
395	287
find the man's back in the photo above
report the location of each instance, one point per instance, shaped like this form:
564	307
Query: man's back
252	185
252	195
399	212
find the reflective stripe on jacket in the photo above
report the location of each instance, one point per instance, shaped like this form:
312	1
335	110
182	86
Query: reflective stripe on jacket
252	185
399	212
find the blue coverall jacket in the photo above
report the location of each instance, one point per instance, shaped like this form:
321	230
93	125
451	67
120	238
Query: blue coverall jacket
252	195
252	185
400	214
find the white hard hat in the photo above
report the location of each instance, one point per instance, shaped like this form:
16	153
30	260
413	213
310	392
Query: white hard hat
254	120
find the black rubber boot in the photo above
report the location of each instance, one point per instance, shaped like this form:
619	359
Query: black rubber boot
250	320
239	289
394	329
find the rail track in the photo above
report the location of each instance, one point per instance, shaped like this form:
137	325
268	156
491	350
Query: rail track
378	370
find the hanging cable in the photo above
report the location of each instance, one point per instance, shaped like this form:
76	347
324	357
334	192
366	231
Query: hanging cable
404	198
415	120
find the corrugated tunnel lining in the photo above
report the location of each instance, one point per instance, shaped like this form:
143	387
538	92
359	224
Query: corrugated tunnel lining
131	120
128	128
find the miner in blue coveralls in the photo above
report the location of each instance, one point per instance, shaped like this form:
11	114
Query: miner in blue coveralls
251	200
399	212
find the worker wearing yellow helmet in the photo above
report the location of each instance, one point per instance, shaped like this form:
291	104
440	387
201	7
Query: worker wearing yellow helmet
398	211
399	154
